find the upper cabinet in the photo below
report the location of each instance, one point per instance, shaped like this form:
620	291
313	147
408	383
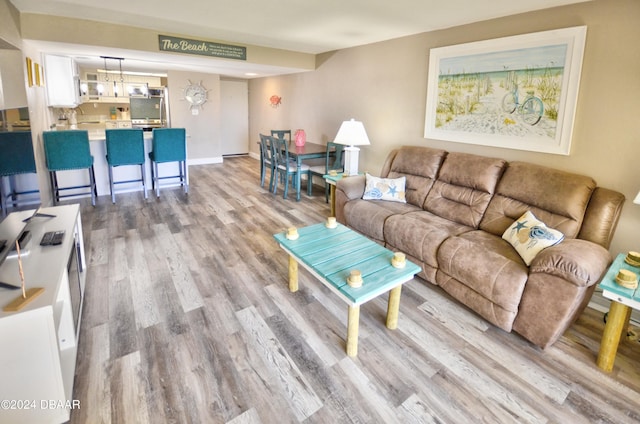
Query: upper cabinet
13	93
115	88
62	82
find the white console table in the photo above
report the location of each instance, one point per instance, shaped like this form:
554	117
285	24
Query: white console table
38	344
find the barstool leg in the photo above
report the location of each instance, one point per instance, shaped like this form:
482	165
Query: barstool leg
92	182
54	187
153	177
113	196
3	204
144	184
186	184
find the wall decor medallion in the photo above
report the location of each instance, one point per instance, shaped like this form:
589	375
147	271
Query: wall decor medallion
516	92
195	94
275	100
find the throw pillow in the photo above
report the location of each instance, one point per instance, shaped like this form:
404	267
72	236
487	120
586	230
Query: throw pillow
529	236
391	189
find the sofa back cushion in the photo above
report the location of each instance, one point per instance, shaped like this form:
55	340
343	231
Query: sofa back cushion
420	165
464	188
557	198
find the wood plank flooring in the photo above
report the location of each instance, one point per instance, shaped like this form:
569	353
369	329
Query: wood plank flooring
188	319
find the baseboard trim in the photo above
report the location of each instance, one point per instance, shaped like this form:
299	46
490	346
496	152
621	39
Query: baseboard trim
204	161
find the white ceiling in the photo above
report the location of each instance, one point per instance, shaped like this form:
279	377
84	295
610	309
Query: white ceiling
304	26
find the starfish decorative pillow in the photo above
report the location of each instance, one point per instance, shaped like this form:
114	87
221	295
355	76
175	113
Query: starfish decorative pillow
391	189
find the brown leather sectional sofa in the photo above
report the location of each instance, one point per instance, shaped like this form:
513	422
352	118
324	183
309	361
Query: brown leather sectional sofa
458	207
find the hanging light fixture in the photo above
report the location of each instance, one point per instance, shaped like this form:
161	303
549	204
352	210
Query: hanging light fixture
100	87
116	89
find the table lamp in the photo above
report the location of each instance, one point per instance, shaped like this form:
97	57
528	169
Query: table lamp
351	134
637	199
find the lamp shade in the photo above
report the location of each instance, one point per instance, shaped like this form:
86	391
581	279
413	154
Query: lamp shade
352	133
637	199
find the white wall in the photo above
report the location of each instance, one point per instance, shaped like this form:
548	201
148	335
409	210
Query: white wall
203	128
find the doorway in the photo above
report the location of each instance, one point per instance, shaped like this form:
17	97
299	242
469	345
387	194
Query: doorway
234	114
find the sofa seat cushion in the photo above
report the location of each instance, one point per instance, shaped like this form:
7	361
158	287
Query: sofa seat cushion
420	234
485	273
369	216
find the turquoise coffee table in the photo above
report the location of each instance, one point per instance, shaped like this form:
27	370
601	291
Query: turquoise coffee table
330	254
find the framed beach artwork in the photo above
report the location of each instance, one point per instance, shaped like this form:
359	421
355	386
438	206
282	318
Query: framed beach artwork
515	92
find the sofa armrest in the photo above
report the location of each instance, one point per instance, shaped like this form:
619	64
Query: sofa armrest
601	216
347	189
580	262
351	187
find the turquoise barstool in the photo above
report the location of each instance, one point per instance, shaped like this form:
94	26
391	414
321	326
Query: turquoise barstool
169	145
125	147
16	158
69	150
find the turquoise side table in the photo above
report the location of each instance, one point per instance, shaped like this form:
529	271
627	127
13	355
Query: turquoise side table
623	300
333	180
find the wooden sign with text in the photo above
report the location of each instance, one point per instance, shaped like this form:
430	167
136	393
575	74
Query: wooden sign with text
202	48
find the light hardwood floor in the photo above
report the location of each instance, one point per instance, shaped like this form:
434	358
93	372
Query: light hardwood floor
188	319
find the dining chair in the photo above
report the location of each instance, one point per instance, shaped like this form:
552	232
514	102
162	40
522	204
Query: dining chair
16	159
69	150
285	167
286	134
125	146
333	161
267	160
169	145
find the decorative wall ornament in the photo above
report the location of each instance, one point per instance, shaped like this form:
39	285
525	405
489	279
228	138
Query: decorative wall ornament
195	94
516	92
275	100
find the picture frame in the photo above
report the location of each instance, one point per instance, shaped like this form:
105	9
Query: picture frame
29	72
38	75
517	92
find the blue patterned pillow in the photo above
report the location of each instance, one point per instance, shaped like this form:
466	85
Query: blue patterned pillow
529	236
391	189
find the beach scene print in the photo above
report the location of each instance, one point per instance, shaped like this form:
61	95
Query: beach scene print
513	93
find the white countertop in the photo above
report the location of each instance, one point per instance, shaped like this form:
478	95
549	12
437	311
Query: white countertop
99	135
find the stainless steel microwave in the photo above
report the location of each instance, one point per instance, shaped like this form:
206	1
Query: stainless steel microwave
138	90
156	91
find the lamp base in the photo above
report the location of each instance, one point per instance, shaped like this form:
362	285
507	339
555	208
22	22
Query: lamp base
351	160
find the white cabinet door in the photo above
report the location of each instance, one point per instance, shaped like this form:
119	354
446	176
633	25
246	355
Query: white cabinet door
61	81
13	94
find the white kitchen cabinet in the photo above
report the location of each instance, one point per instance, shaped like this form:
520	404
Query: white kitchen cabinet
61	81
13	94
90	92
40	342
